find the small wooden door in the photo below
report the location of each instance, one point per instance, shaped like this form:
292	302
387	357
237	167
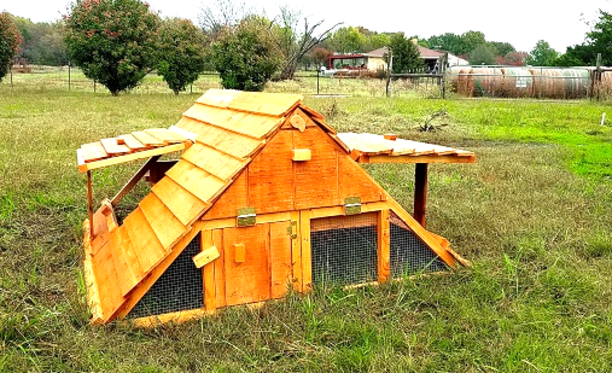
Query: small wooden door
256	262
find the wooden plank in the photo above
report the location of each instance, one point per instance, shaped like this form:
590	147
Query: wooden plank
198	182
132	143
301	155
219	264
132	157
149	250
93	152
354	181
339	210
112	147
125	260
165	135
266	103
226	141
218	97
208	271
186	134
316	181
206	257
227	204
296	252
147	139
342	222
280	257
139	291
109	290
306	250
384	246
247	281
221	165
422	233
174	317
270	176
166	226
420	159
420	193
93	296
185	206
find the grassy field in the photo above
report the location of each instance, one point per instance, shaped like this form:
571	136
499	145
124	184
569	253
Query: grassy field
534	215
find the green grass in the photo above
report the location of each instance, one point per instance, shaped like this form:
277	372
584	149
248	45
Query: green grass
533	215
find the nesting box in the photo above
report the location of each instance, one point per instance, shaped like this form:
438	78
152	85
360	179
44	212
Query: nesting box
265	198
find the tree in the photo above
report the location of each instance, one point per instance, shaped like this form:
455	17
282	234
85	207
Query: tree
296	38
246	56
598	40
500	48
182	53
347	40
542	55
406	55
222	14
114	42
321	55
9	42
482	55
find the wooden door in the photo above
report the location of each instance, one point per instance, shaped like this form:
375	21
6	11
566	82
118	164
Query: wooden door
257	262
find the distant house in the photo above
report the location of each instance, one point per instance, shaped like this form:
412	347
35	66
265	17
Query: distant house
376	59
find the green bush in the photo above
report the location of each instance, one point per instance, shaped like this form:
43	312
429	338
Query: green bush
246	56
9	42
183	55
113	41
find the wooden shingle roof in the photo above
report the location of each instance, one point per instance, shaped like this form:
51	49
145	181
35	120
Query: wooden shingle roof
231	128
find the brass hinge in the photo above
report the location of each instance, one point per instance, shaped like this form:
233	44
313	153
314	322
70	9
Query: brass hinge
292	230
352	206
246	217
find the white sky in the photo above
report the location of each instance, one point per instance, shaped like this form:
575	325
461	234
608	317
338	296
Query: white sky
519	22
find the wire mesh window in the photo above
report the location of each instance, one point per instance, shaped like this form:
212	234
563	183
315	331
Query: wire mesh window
179	288
344	249
409	255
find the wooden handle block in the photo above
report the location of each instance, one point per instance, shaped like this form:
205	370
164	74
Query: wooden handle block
239	253
206	256
390	136
301	155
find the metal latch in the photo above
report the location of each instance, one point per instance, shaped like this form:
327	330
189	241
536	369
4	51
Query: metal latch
246	217
292	230
352	206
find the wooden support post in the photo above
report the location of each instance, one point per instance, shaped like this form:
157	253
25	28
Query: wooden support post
420	192
133	181
306	250
384	246
208	274
90	206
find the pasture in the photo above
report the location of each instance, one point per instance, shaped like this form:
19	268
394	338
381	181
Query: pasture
534	215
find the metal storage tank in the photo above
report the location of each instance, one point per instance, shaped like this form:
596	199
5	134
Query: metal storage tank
517	82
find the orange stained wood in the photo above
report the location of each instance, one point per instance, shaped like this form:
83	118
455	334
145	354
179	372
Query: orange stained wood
131	142
198	182
296	251
147	139
218	97
222	165
354	181
146	244
253	125
93	151
219	265
185	206
206	257
239	252
166	226
208	272
306	250
270	176
105	274
383	248
165	135
280	256
265	103
125	261
235	197
112	147
368	219
247	281
316	181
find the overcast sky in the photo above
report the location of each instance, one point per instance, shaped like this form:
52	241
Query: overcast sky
520	22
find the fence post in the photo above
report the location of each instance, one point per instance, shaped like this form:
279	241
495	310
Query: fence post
318	74
389	70
94	86
68	75
442	71
11	70
595	83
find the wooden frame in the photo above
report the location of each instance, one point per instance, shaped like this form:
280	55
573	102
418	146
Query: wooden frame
83	167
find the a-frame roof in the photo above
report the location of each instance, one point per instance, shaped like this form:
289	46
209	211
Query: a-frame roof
232	127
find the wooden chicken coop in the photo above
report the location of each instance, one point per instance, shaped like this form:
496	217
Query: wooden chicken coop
266	197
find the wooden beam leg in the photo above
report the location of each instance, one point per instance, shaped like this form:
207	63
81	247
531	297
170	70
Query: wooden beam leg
420	192
90	206
134	180
384	249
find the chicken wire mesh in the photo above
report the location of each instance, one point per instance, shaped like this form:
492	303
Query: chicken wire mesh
179	288
344	249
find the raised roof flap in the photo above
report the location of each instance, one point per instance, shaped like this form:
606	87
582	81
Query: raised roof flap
274	104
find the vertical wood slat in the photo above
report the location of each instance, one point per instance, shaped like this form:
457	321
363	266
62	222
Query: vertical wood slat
420	192
296	253
306	250
208	273
384	246
219	264
90	206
